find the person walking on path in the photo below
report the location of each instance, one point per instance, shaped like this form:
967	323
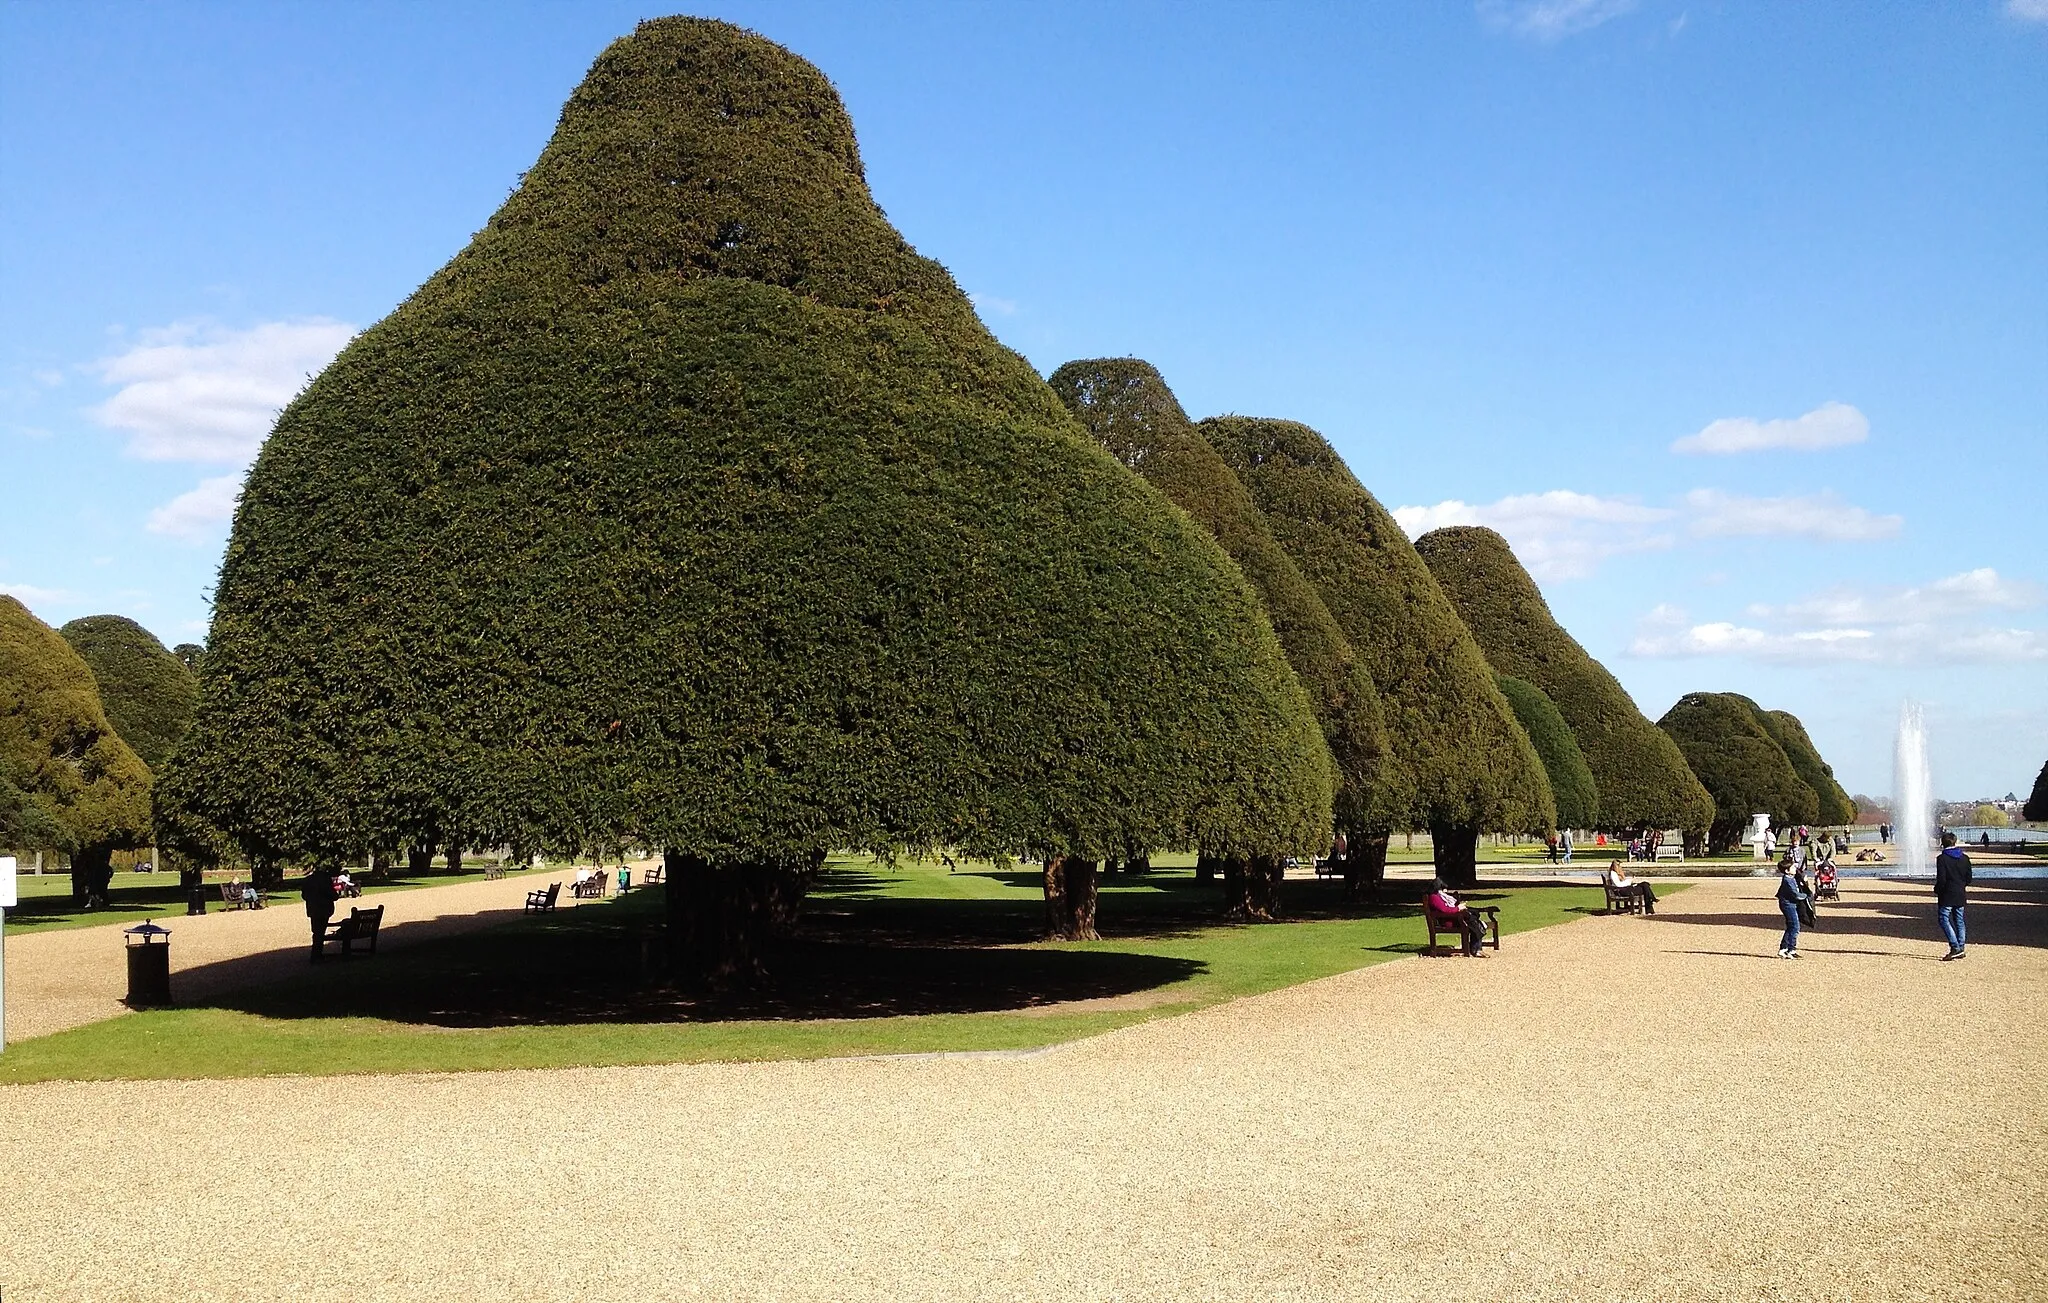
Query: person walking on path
1792	896
1564	843
1951	885
317	889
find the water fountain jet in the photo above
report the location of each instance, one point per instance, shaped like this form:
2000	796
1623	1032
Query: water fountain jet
1912	794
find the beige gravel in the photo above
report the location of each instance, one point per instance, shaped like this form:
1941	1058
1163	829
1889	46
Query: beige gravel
1614	1109
66	977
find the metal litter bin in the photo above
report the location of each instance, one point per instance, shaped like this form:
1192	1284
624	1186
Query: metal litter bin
149	966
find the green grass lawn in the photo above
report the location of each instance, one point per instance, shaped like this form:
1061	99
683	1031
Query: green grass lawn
46	898
891	959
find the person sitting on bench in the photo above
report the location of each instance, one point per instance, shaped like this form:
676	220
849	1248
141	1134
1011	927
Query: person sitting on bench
1617	878
1470	921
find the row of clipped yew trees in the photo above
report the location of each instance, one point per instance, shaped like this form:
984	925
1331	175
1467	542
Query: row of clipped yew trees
689	507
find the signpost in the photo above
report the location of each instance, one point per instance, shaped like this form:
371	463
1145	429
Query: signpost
7	901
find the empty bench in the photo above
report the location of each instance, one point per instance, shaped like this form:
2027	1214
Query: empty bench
543	901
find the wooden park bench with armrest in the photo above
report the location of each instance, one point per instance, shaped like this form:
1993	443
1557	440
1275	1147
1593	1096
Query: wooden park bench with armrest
542	901
1622	900
493	872
1448	925
655	877
236	895
358	929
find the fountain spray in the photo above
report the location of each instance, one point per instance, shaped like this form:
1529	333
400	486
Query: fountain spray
1912	793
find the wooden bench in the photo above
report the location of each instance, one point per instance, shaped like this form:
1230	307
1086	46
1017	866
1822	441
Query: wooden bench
1447	925
655	877
359	928
1622	900
592	887
543	901
236	895
493	872
1671	851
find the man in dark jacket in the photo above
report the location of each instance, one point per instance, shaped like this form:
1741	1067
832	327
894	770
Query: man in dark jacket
318	892
1951	885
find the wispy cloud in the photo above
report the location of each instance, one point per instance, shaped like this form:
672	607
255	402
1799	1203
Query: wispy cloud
1557	535
1940	623
1711	513
31	595
1550	20
199	513
196	391
2031	11
1831	425
990	303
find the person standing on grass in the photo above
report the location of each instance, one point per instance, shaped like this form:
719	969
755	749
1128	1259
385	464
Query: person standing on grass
1951	886
317	889
1792	894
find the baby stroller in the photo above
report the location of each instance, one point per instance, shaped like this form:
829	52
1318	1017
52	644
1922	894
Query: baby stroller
1824	885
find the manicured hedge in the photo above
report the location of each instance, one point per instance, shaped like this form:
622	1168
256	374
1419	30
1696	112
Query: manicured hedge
149	693
1832	804
1643	780
71	774
688	506
2037	801
1461	758
1742	767
1126	405
1571	781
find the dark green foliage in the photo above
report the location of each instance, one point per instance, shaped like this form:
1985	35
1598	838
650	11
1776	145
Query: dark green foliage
1571	781
188	654
1831	803
1127	406
1643	780
2036	807
1461	758
67	781
148	692
1742	766
689	507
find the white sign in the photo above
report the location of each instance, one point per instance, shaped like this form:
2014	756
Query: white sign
7	898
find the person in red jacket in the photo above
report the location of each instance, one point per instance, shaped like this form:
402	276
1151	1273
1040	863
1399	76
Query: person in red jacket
1470	922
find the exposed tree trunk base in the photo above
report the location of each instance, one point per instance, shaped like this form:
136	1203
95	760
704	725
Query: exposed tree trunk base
1206	868
1365	866
1069	899
92	876
419	860
454	859
721	917
1457	855
1251	888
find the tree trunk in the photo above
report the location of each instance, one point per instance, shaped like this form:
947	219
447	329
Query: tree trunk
419	859
1251	888
267	875
787	887
454	858
1206	867
1365	866
1457	855
92	876
1695	845
1069	899
719	919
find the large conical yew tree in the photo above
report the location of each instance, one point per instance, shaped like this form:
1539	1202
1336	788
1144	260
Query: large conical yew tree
1127	406
149	693
67	780
1464	759
1571	779
1742	767
1643	780
1832	804
689	507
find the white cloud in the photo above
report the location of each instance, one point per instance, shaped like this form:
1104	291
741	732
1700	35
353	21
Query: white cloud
1550	20
1927	625
30	595
1711	513
1557	535
2032	11
1831	425
195	391
990	303
199	513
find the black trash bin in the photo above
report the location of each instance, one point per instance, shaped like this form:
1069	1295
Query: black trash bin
149	966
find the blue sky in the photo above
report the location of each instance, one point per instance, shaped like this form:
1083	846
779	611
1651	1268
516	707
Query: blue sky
1733	317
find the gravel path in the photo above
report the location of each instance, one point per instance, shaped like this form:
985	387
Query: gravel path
1614	1109
67	977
